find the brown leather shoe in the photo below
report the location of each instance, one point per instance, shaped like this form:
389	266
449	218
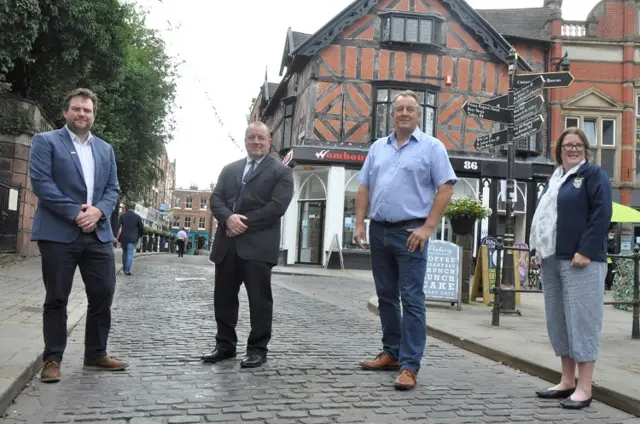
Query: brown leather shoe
50	372
406	380
106	363
382	362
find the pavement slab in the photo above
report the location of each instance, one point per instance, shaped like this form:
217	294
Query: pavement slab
163	321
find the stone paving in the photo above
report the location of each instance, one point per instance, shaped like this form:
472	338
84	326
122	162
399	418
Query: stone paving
163	321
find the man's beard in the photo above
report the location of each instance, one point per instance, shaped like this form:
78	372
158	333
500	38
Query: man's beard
79	131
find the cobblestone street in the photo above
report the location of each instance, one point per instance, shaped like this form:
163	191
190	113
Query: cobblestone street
163	321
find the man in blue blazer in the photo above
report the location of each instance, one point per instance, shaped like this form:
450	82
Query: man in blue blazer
74	175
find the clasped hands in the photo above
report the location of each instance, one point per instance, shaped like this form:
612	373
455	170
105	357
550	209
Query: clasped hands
88	218
235	226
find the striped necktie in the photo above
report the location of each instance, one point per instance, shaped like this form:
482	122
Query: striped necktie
238	201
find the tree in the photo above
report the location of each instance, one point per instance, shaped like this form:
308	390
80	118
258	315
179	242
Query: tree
103	45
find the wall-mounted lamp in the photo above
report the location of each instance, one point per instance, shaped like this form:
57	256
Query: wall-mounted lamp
565	63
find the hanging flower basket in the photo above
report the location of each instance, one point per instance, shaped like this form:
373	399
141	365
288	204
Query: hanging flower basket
463	213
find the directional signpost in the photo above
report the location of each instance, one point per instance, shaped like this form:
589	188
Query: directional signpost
492	140
521	109
487	111
551	79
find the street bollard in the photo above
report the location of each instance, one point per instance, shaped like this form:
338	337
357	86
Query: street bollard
495	312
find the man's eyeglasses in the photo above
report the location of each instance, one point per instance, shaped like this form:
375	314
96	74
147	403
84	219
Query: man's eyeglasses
571	146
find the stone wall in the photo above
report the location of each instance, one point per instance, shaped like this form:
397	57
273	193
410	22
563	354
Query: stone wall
20	119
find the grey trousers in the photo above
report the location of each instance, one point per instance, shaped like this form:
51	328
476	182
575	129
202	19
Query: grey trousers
574	307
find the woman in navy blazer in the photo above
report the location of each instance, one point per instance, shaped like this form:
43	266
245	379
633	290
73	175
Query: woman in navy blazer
569	234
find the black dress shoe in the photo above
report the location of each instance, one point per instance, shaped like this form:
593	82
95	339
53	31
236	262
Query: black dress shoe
568	403
253	361
555	394
217	355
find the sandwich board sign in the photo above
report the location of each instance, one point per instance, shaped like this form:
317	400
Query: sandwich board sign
443	279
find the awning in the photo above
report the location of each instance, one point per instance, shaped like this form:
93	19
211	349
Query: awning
622	213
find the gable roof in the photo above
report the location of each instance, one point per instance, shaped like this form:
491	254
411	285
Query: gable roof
469	16
527	23
293	40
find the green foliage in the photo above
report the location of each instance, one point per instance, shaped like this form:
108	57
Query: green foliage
467	207
19	26
105	46
16	123
623	284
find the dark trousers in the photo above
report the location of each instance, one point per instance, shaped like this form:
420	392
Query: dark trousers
229	276
97	267
180	248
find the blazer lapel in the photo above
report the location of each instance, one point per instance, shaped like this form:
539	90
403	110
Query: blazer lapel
261	167
97	162
66	140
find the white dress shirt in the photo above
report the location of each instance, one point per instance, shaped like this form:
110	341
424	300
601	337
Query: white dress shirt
247	166
85	154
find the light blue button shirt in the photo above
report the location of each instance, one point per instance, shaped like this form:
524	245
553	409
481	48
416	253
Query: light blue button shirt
403	181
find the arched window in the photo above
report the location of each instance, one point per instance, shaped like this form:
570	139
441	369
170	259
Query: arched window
313	187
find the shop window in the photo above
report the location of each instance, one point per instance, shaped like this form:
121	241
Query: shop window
383	119
602	135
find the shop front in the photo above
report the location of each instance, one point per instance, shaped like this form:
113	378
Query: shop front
326	183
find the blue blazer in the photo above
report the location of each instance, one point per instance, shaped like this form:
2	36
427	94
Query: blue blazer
57	180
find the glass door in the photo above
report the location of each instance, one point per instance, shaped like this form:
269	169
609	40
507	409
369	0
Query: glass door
310	232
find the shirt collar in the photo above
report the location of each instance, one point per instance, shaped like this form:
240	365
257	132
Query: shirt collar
415	135
257	161
75	138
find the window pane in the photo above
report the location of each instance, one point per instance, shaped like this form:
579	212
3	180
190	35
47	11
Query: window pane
572	122
351	179
383	95
412	30
608	161
429	121
431	99
590	131
289	109
386	30
381	120
286	140
397	29
426	31
608	132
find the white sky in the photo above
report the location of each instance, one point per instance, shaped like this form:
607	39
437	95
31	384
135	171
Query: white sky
225	46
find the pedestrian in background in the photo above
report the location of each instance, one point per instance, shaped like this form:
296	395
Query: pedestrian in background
569	233
130	231
181	240
406	184
251	196
73	174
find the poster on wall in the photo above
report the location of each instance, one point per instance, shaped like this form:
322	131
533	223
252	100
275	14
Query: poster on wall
443	279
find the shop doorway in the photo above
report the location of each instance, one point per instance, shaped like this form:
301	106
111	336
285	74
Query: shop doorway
311	232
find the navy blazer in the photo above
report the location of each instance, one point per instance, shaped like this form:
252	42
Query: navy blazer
584	214
57	180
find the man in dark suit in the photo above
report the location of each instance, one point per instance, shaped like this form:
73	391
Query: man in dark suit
251	196
74	175
131	229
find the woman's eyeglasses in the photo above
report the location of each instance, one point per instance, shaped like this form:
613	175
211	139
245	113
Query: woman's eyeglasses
571	146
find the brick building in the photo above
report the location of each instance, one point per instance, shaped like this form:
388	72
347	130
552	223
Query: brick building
335	99
191	210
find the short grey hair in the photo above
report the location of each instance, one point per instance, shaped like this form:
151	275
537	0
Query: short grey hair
257	124
406	93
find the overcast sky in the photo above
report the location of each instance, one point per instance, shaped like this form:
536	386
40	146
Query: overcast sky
225	46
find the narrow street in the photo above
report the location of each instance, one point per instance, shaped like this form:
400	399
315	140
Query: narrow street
163	321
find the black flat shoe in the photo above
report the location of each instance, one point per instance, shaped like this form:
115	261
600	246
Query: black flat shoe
568	403
253	361
555	394
217	355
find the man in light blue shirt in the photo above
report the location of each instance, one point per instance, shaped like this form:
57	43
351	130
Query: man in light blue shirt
406	184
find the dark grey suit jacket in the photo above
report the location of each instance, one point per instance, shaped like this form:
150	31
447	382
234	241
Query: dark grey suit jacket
266	198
